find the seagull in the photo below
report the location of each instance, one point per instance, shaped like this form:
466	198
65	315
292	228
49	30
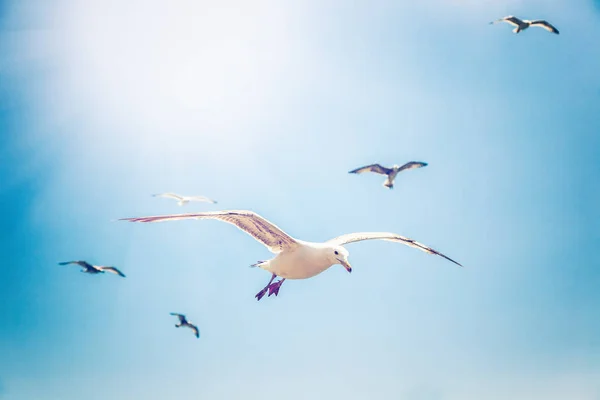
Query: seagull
184	322
94	269
295	259
181	200
390	172
522	24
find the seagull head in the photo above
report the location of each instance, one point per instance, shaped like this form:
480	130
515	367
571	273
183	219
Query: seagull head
340	255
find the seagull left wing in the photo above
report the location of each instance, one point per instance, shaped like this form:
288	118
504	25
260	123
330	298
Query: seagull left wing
412	165
194	328
392	237
112	270
264	231
544	24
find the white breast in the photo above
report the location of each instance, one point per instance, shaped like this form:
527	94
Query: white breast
304	262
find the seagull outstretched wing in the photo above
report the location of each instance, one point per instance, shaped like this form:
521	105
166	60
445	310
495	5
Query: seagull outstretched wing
376	168
392	237
169	195
80	263
544	24
412	165
194	329
180	316
264	231
202	198
112	270
509	19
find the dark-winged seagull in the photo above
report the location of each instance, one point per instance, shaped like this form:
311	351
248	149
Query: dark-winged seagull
295	259
94	269
390	172
522	24
184	322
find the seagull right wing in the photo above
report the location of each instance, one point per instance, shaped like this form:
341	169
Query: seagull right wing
112	270
378	169
202	198
264	231
80	263
544	24
194	328
169	195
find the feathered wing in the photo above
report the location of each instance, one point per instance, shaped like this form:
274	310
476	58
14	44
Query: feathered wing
112	270
269	234
412	165
80	263
392	237
202	198
509	19
180	316
194	328
544	24
169	195
376	168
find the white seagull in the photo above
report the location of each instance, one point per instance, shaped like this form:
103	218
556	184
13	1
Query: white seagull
181	200
94	269
184	322
295	259
390	172
522	24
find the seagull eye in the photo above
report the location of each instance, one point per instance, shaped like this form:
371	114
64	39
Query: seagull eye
336	252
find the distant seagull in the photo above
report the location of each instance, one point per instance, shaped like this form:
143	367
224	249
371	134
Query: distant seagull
522	24
184	322
94	269
181	200
295	259
390	172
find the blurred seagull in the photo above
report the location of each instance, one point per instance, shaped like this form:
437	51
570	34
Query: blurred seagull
522	24
295	259
390	172
184	322
94	269
181	200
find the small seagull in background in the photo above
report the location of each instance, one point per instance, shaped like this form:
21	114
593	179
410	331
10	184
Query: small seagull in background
181	200
522	24
390	172
94	269
184	322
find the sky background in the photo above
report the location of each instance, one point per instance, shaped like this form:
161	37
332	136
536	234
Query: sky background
265	106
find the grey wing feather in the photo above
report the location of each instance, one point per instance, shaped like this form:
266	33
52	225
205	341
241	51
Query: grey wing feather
80	263
413	165
545	24
180	316
112	270
253	224
377	168
391	237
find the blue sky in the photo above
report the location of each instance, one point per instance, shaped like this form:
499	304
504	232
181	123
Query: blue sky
266	107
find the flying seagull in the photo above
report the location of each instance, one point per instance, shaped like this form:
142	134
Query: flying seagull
94	269
390	172
522	24
295	259
184	322
181	200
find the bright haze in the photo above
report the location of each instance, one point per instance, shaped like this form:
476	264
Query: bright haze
265	106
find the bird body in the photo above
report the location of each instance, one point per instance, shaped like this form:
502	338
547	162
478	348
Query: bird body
295	259
183	200
94	269
391	173
522	24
